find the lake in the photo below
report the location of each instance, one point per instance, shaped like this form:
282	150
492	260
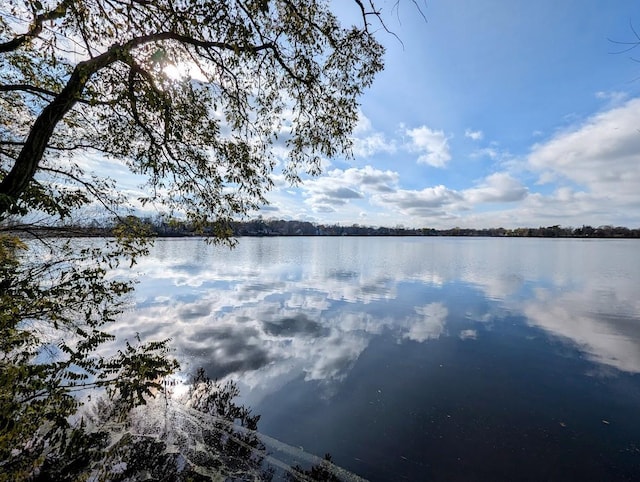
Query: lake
416	358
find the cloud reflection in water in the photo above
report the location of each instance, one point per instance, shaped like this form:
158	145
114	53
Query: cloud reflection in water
280	308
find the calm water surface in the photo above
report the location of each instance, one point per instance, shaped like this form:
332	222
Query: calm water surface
417	358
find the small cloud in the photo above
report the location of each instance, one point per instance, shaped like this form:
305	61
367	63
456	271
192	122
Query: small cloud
613	98
343	193
432	145
326	201
269	207
367	142
323	208
498	187
338	187
474	135
371	178
431	197
363	124
489	152
468	334
429	202
430	323
296	325
372	144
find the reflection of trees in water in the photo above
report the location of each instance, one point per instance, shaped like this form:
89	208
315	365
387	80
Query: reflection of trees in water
208	437
234	452
322	471
211	397
72	458
182	450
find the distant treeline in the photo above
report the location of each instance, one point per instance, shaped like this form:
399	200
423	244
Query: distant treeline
301	228
271	227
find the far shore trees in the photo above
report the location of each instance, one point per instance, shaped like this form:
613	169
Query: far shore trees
199	100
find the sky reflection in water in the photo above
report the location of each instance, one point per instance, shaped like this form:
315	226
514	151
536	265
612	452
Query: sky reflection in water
417	357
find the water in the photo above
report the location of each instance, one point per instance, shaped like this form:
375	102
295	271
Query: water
417	358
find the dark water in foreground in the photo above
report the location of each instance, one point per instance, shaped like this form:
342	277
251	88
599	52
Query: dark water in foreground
418	358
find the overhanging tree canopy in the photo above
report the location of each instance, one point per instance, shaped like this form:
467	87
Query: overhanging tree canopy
106	77
271	81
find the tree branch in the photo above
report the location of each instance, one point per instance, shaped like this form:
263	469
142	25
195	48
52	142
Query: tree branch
31	154
35	28
46	92
88	186
26	88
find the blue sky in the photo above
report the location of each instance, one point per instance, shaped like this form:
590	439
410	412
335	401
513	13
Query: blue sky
490	113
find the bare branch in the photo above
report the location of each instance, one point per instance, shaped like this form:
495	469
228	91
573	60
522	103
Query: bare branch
36	27
27	88
88	186
631	45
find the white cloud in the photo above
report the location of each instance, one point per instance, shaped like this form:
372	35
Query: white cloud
319	206
369	178
338	187
498	187
591	172
601	155
367	142
429	202
363	125
474	135
430	323
432	145
372	144
614	98
343	193
489	152
570	207
604	335
469	334
336	356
